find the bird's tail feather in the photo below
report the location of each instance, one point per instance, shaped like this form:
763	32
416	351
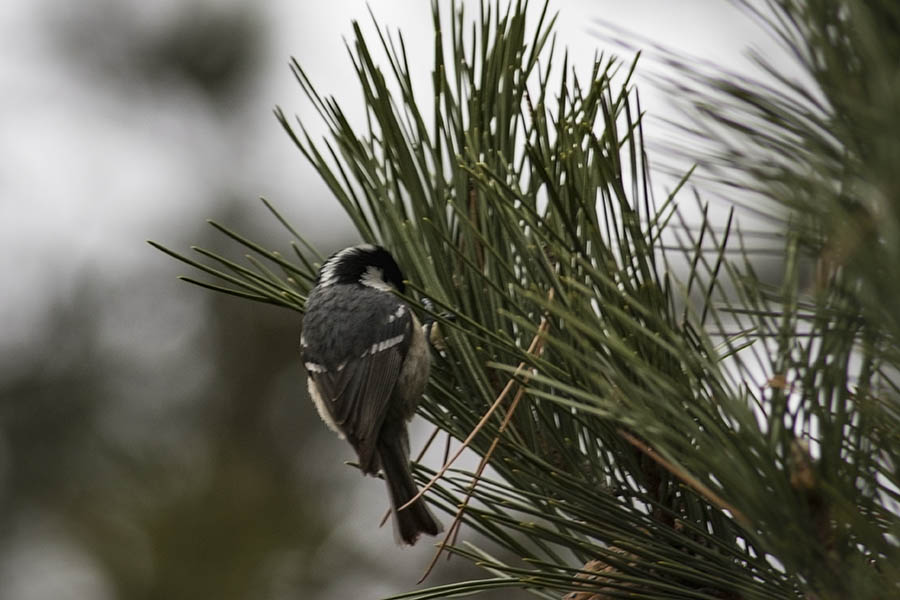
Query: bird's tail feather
415	519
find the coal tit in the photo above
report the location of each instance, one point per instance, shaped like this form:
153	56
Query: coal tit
367	359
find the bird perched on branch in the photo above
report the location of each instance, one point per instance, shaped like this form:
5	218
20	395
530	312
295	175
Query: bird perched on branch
367	358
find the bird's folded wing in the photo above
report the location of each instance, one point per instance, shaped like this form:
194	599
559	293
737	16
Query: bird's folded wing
358	392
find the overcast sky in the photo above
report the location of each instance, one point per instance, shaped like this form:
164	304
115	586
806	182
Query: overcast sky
96	156
89	170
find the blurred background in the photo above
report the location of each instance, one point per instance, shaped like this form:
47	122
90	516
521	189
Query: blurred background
156	440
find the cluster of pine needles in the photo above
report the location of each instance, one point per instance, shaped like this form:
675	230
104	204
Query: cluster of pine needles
665	404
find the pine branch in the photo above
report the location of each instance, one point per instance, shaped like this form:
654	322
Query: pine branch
651	448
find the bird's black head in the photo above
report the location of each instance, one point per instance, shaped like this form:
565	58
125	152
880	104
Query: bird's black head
364	264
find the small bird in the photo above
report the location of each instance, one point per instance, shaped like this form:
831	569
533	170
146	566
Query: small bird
367	358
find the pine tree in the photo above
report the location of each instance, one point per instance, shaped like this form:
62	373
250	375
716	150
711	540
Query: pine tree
652	431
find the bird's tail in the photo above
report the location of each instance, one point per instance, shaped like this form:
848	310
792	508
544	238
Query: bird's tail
415	519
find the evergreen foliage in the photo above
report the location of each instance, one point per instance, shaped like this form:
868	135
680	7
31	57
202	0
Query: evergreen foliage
652	431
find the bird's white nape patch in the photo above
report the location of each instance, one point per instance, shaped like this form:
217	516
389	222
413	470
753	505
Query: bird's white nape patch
397	314
328	275
314	367
374	278
384	344
302	341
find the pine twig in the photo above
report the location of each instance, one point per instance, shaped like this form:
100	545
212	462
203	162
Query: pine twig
535	348
688	479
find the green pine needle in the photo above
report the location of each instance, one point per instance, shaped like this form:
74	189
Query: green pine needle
662	423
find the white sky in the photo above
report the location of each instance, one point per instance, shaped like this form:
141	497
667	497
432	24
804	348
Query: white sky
89	171
87	174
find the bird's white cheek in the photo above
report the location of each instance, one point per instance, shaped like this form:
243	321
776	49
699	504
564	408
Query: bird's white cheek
322	407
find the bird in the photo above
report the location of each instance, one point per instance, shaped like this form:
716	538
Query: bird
367	359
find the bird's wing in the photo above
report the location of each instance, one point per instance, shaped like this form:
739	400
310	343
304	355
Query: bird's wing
357	393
